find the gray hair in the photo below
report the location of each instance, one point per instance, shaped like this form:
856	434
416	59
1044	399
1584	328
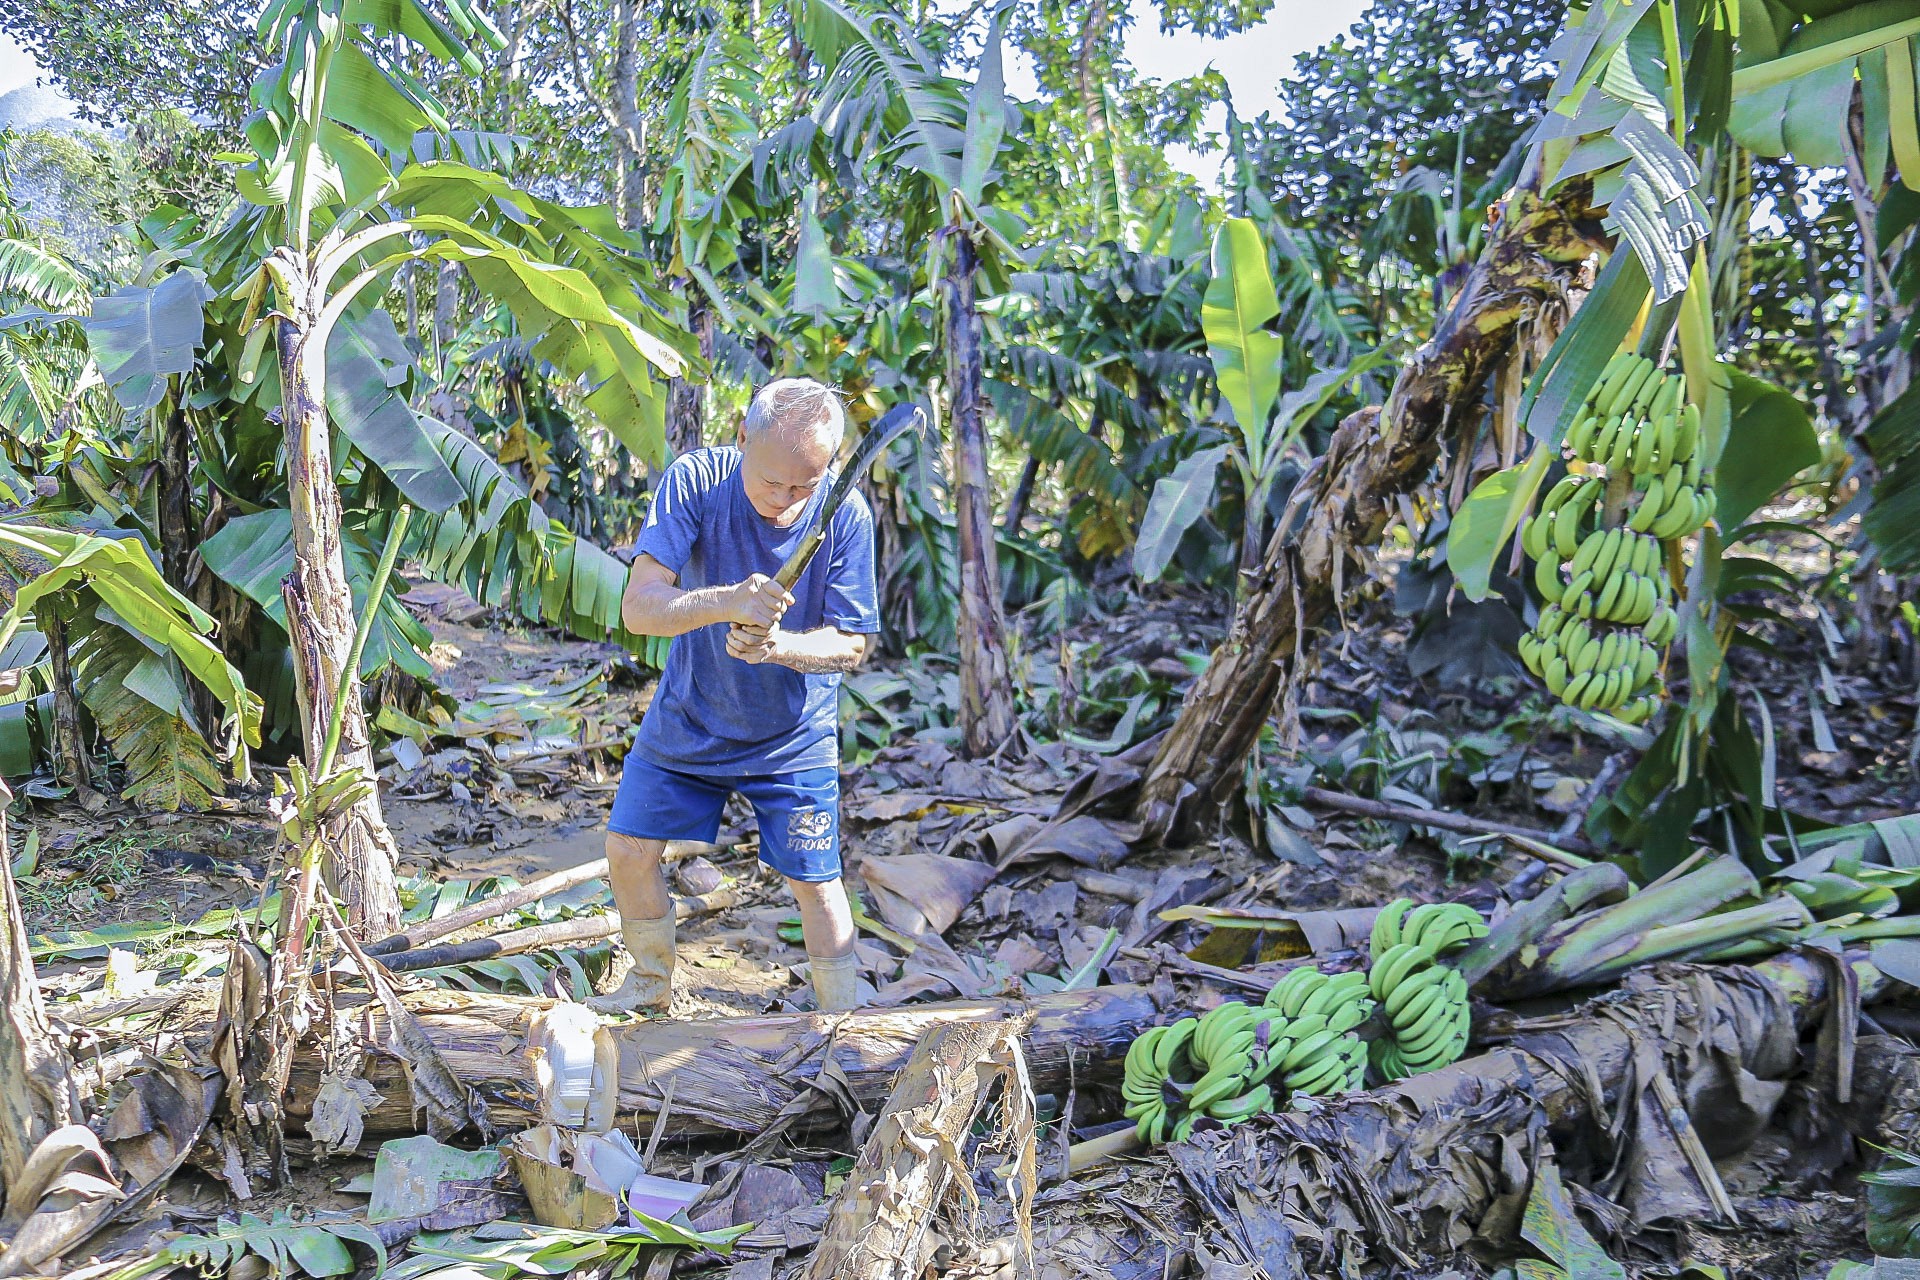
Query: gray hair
797	407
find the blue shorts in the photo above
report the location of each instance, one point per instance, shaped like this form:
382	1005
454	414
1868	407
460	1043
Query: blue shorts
798	813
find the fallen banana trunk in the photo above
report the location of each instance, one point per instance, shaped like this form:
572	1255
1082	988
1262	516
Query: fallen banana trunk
1586	931
1640	1090
878	1225
727	1075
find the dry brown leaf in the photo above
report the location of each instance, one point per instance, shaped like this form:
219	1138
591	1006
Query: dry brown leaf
923	892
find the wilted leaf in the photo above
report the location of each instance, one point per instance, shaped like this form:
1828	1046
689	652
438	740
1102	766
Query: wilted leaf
921	892
413	1177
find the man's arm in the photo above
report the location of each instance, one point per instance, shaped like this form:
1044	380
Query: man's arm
654	605
824	651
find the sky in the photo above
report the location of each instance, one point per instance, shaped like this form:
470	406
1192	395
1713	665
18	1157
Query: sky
1252	62
16	65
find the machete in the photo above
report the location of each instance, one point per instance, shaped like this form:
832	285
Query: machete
895	423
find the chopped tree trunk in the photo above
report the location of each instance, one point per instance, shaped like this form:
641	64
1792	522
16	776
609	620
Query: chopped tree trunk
986	689
878	1225
1344	502
38	1092
320	627
1690	1060
1555	943
731	1075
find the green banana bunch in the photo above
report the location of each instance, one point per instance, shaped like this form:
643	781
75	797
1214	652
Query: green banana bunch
1439	926
1609	611
1150	1085
1226	1046
1427	1012
1240	1060
1319	1051
1604	669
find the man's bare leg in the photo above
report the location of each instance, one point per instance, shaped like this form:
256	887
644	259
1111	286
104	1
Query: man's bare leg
639	881
826	923
646	926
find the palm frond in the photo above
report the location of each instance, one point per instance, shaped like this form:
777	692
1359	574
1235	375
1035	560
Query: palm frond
28	401
32	275
1050	433
138	697
886	98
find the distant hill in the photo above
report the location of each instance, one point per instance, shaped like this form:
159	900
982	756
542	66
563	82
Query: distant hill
33	106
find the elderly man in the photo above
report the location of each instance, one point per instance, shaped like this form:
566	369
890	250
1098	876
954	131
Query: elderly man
750	698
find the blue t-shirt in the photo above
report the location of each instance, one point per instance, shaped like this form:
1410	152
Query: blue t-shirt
712	713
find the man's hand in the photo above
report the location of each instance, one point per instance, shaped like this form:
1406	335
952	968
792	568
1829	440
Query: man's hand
820	652
759	603
753	644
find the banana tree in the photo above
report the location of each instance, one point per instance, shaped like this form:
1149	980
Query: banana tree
334	205
129	635
1649	97
706	196
1250	367
887	101
1100	367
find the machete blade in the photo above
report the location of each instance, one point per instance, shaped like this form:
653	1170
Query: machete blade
893	424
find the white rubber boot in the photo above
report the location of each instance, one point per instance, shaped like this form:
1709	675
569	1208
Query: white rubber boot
648	986
836	983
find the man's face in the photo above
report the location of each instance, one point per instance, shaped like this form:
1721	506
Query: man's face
781	473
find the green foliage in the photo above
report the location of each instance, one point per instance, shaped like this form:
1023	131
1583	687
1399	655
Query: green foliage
1776	443
315	1246
1415	102
1250	368
254	554
1893	521
501	1251
1481	529
1893	1206
140	710
1240	301
139	337
137	697
1181	498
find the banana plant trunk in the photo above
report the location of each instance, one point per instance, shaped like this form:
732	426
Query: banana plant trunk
38	1092
1319	549
986	690
320	627
72	763
175	474
686	399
